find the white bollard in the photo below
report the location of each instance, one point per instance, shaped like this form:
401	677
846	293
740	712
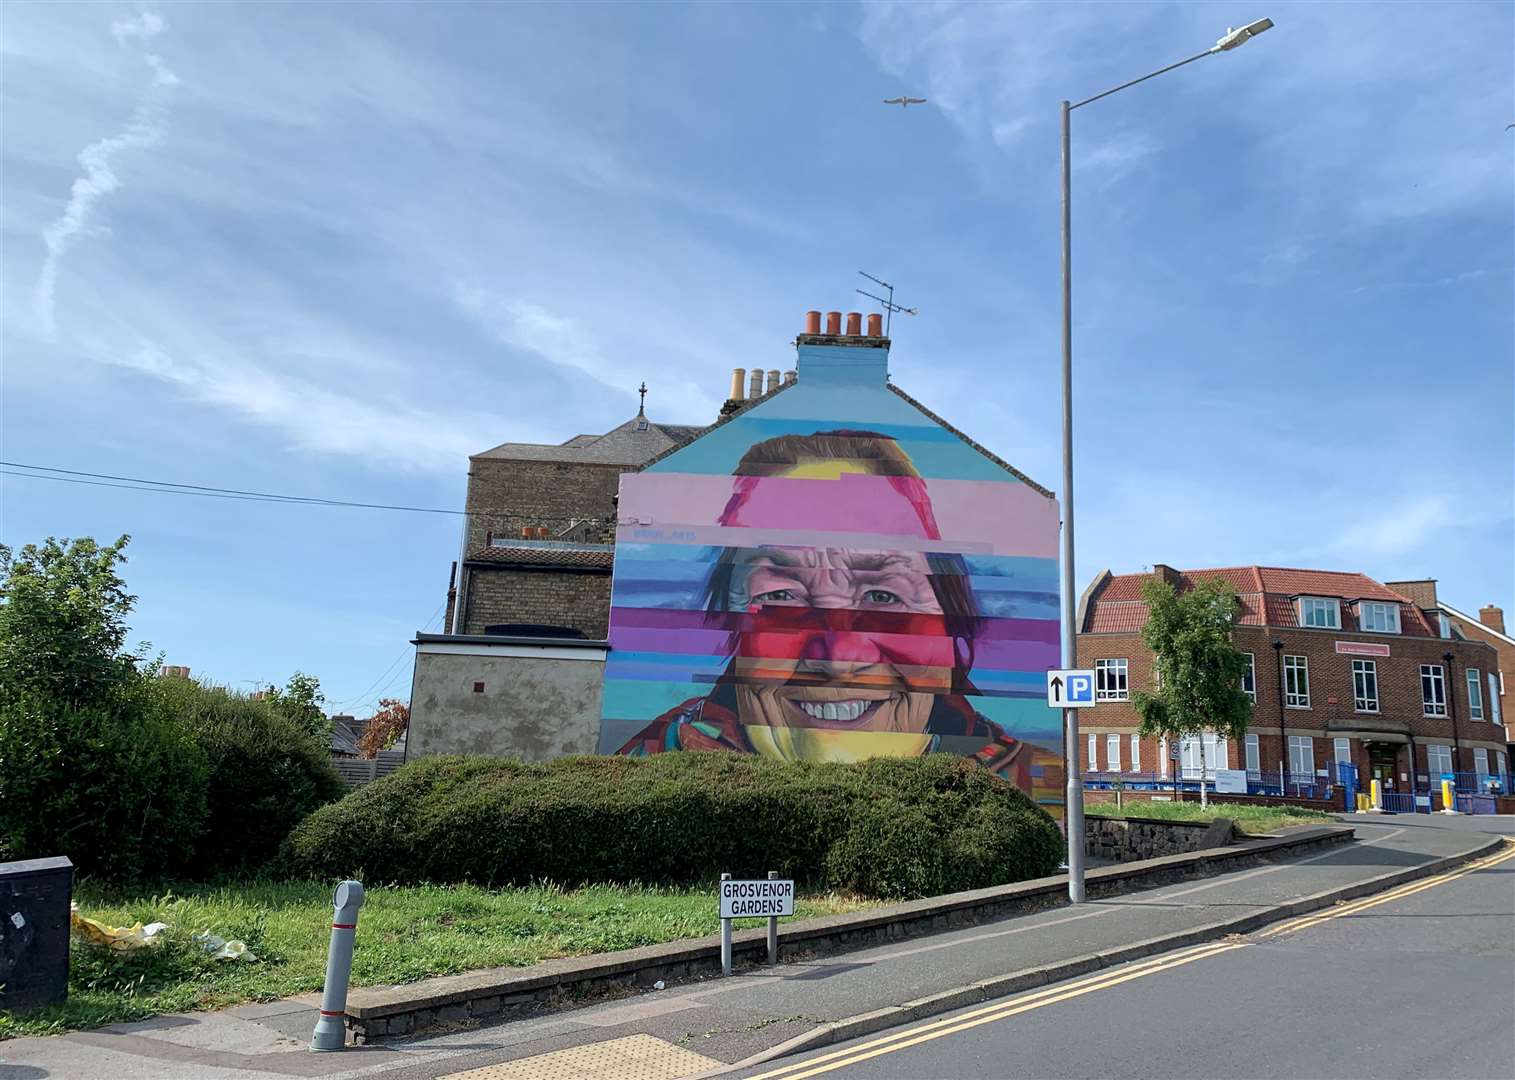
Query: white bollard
331	1028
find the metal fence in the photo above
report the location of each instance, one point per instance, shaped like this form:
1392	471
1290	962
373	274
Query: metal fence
1277	784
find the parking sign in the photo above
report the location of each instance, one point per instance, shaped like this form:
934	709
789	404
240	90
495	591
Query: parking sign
1069	689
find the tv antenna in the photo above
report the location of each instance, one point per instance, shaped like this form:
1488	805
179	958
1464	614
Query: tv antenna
890	307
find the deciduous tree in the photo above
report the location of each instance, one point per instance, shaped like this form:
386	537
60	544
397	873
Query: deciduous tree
385	727
1199	670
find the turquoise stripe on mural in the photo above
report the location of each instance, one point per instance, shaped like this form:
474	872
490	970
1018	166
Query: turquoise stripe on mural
935	458
628	699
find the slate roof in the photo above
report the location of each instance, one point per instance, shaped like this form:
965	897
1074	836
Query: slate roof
636	441
1266	594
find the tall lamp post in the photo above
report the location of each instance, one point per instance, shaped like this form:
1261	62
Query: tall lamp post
1075	810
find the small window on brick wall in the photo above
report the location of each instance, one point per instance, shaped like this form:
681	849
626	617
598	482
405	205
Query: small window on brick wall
478	688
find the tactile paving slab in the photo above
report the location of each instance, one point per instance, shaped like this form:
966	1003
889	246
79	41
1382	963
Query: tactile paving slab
635	1057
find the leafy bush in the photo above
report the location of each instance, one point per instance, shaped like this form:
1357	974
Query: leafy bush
888	827
114	785
266	772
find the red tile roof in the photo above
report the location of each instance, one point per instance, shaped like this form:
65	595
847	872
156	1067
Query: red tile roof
1266	594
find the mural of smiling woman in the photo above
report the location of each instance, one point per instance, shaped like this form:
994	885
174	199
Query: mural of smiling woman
805	604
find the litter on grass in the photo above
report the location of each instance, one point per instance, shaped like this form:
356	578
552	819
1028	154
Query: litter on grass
136	936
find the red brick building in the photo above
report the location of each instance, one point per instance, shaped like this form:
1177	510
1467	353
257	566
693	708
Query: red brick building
1343	668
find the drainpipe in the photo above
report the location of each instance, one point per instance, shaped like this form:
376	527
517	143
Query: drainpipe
1452	713
1278	666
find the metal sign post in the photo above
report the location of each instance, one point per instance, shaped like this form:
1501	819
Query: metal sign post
768	898
725	930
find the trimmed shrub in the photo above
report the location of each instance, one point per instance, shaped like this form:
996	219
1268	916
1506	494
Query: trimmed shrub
113	785
887	827
266	772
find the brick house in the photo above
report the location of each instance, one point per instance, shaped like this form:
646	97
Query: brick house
1343	668
536	547
1489	628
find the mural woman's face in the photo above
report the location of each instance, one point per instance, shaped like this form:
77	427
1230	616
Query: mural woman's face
840	639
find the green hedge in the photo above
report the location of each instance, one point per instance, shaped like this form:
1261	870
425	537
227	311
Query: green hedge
266	773
891	827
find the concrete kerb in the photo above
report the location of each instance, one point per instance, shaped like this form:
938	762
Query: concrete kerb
493	995
1019	982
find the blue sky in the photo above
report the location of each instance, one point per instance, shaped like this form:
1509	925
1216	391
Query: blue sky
332	250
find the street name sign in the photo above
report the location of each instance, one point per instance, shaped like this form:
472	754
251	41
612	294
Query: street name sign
1070	688
762	897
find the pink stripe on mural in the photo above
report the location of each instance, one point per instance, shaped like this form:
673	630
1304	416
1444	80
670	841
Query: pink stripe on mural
853	511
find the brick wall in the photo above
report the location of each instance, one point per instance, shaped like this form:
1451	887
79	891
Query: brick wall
1332	711
504	495
1504	662
579	599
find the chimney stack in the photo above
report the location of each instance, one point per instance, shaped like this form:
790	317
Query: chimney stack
1165	573
773	380
834	323
738	377
755	383
875	325
790	376
854	324
812	322
1492	617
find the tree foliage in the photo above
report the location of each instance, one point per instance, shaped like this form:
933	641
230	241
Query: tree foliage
300	701
1199	668
384	728
63	610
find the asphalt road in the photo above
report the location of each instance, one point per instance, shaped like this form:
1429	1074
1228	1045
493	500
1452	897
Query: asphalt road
1420	985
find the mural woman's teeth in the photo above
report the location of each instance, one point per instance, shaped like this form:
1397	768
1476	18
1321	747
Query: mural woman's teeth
834	710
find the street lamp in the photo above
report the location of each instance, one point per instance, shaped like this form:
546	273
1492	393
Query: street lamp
1074	816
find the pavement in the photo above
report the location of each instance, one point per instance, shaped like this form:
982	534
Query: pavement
1417	982
706	1025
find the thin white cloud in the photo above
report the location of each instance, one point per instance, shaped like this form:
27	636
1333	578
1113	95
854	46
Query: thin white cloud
143	129
547	335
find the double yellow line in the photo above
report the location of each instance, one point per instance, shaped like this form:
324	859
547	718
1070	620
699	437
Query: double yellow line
938	1029
989	1013
1304	922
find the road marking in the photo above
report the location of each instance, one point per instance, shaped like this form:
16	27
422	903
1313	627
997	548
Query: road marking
1408	889
937	1029
1021	1003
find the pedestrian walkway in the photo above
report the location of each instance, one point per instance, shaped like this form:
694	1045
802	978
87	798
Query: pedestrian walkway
728	1020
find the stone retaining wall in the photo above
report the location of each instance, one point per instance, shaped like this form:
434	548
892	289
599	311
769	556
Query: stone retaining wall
1128	839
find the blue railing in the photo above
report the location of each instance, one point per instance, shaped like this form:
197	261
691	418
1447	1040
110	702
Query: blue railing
1292	785
1479	783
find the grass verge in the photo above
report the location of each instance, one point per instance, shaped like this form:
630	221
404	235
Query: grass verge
1248	818
404	934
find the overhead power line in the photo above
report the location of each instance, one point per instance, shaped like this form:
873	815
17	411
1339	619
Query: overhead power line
166	487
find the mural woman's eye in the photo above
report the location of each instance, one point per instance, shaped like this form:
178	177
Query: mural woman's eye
774	596
881	596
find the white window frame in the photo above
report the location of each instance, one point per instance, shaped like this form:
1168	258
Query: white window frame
1114	670
1368	621
1444	624
1299	667
1249	680
1499	761
1433	758
1215	755
1301	752
1480	761
1341	751
1093	752
1433	690
1112	753
1311	607
1253	755
1136	753
1475	692
1496	688
1364	696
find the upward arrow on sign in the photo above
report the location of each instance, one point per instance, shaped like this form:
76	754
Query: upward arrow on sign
1057	688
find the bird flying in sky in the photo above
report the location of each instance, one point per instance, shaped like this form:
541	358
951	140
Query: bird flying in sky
905	102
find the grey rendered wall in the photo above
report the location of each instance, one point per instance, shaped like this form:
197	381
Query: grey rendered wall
532	708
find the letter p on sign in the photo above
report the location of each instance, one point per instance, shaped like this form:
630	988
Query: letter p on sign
1068	689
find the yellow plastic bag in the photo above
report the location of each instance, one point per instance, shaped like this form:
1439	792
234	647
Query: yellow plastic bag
120	938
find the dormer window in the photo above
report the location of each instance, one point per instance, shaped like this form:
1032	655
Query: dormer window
1378	618
1320	612
1444	623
